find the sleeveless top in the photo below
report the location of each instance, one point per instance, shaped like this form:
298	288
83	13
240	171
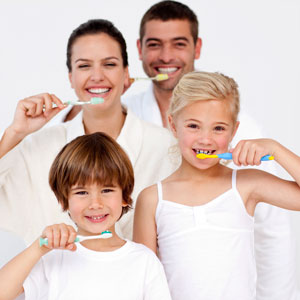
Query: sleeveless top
208	250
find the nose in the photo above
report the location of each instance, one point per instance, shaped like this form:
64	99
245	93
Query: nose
96	202
166	54
205	137
97	74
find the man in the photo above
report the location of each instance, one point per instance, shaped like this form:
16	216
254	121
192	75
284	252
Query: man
169	43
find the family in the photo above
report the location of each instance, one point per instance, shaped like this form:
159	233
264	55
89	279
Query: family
182	227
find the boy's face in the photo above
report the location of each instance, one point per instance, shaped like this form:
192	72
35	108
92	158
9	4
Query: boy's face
95	208
168	47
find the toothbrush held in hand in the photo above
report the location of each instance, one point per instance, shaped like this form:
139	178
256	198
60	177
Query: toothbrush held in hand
228	155
159	77
79	238
94	100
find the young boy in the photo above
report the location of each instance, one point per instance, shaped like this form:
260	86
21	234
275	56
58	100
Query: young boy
92	179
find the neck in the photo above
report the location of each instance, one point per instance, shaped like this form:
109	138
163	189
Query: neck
108	121
163	98
187	171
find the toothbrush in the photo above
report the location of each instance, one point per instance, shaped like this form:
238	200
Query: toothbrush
79	238
158	77
228	155
94	100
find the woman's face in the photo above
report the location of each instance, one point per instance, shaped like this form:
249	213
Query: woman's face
97	69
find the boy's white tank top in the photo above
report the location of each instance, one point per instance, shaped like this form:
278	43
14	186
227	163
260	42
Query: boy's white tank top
207	250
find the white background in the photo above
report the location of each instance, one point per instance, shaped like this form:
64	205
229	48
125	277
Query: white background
256	42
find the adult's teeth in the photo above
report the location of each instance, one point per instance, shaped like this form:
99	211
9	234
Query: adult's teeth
167	70
98	91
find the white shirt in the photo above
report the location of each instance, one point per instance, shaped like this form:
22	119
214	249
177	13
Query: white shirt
274	245
207	250
27	204
132	272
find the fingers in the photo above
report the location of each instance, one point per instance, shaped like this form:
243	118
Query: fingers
40	104
60	236
250	152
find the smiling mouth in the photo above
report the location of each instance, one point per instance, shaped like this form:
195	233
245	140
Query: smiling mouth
209	152
98	91
167	70
98	218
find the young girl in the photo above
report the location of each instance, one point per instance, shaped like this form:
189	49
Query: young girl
199	220
92	178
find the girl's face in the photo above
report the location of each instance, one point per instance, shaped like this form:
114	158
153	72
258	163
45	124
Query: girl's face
97	69
95	208
203	126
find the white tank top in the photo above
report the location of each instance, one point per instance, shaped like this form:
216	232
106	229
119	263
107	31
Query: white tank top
207	250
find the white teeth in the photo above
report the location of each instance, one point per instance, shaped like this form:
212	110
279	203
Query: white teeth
167	70
202	151
98	91
98	218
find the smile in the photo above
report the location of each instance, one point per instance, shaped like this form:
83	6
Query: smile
167	70
98	218
209	152
99	91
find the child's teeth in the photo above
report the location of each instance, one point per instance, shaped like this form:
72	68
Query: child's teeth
203	151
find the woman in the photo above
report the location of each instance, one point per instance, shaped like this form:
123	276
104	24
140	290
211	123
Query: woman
98	67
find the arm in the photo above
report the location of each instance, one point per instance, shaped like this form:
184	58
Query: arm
31	114
264	187
14	273
144	227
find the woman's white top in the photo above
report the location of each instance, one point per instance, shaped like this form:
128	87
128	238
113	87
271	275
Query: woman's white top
132	272
207	250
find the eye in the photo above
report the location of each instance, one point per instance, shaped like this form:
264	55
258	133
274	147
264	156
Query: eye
220	128
107	190
153	45
83	66
110	64
193	126
180	45
81	193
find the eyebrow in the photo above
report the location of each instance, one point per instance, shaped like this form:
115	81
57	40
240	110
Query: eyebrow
179	38
195	120
87	60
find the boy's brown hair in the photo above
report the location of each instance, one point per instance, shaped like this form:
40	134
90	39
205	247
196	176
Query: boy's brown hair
93	158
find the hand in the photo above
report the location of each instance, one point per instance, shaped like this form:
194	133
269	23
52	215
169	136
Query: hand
249	152
60	236
34	112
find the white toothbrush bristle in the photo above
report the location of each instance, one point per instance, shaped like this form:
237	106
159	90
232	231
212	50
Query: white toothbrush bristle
96	100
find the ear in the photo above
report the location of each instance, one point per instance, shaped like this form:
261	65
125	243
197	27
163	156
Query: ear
172	125
70	79
237	124
139	46
198	47
126	80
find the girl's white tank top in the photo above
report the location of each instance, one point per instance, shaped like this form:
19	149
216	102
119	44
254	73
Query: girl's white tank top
207	250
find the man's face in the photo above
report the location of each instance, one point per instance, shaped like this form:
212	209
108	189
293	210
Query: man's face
168	47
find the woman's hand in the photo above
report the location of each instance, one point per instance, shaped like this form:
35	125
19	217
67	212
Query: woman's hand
249	152
34	112
60	236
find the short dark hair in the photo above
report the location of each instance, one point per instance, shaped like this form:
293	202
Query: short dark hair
93	158
170	10
96	26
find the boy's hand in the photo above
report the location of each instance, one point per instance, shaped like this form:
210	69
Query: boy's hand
249	152
60	236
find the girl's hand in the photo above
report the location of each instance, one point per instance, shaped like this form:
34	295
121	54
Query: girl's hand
34	112
249	152
60	236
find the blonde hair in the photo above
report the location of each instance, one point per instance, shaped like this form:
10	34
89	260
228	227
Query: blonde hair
195	86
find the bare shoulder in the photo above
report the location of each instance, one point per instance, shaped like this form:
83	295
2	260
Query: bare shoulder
148	194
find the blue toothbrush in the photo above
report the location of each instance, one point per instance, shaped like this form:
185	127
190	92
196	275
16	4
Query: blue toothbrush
228	155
